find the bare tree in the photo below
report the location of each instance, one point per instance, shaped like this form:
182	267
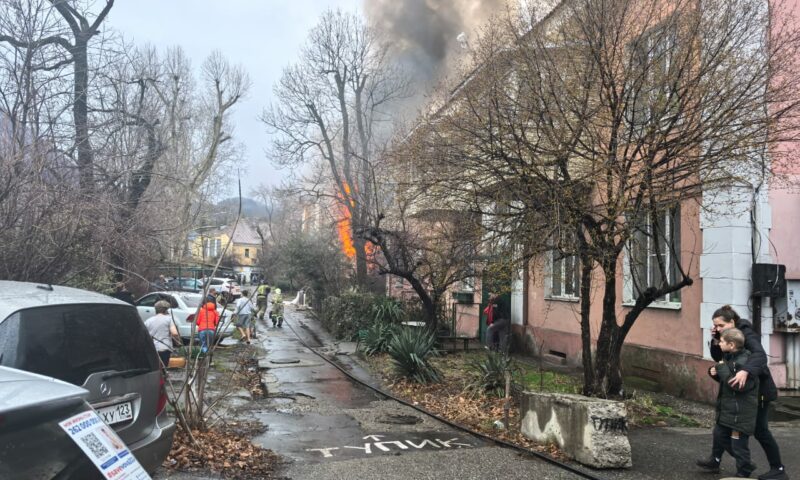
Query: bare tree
433	250
149	138
601	123
334	105
81	28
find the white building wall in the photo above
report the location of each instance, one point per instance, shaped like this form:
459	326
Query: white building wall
727	221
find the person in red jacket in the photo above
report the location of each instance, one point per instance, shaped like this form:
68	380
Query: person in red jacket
207	320
498	325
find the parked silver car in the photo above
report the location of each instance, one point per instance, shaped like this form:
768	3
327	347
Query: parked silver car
98	343
32	444
227	287
184	307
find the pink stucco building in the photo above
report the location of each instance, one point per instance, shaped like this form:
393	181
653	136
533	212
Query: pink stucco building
720	235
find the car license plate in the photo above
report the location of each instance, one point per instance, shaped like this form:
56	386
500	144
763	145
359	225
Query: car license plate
116	413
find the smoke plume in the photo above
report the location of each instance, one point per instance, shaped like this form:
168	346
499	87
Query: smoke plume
426	35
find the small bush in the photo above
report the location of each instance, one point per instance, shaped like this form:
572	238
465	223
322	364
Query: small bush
410	349
345	315
490	373
377	338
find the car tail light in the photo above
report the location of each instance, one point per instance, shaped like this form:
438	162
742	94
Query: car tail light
162	395
190	318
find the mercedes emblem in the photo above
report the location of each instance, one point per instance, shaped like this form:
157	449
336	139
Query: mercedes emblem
104	389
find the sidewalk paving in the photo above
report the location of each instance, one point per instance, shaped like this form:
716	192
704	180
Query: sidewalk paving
661	453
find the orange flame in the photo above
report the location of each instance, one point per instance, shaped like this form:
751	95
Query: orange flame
345	236
344	225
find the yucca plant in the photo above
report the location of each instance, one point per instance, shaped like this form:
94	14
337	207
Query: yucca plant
490	373
388	310
377	337
410	349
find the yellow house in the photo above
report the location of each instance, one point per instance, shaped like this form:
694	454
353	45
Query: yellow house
243	251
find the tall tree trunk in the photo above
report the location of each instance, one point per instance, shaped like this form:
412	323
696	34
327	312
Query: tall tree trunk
586	326
80	113
608	367
360	246
428	301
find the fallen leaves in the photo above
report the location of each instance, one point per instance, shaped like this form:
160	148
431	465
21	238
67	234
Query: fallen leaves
226	453
452	400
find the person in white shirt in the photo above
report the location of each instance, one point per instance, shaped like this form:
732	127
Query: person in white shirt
163	330
244	310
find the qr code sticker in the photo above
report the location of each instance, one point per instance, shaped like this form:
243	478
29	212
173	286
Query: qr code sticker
95	445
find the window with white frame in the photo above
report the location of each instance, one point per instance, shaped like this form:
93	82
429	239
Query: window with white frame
654	253
653	98
564	276
212	247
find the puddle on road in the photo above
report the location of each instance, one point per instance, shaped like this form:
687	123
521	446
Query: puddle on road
399	419
291	434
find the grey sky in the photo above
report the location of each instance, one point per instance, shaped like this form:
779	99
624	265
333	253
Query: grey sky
262	35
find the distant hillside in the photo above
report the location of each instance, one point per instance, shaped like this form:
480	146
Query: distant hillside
250	208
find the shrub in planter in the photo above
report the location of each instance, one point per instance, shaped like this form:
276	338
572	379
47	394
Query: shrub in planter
410	349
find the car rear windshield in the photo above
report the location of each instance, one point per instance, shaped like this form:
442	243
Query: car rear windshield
70	342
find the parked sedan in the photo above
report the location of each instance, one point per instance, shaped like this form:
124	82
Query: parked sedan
184	307
32	444
185	284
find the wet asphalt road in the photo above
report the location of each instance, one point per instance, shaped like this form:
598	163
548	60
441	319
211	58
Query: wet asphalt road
329	427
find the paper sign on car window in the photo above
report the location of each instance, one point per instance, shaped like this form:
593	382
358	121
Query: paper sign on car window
103	447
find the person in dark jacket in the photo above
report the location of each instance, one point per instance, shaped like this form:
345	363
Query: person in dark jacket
725	318
122	293
737	408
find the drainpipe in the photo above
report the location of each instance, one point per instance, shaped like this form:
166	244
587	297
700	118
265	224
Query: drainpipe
755	252
792	361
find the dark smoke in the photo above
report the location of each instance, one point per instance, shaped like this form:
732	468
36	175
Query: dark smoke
424	33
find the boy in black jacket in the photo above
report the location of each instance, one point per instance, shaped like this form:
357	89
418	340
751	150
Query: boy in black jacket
737	408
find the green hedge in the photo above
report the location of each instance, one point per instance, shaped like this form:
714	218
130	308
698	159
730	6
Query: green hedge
344	316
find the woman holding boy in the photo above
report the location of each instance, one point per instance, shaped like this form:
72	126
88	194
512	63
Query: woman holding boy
755	366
